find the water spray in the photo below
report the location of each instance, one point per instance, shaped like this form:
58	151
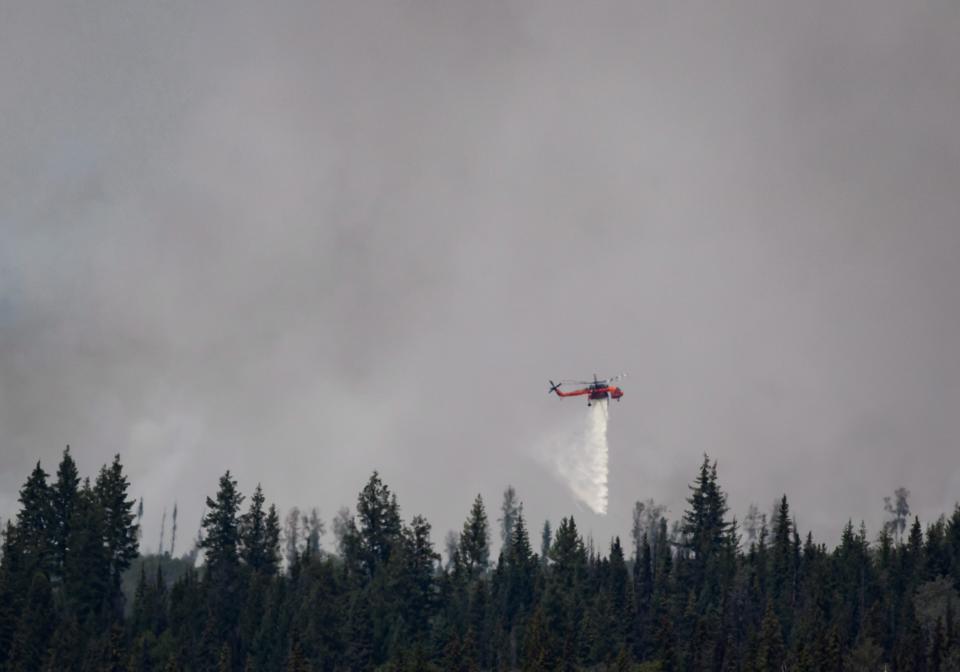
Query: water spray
582	460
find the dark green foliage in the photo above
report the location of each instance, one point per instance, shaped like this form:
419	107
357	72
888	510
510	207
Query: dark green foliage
87	567
689	600
119	531
221	527
475	540
259	535
32	541
376	531
509	510
64	496
770	649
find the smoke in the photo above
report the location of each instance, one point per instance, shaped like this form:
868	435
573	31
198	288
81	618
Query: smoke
581	460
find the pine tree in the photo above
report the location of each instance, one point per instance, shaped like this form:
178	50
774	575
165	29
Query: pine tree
546	538
313	529
937	648
271	542
253	534
782	560
475	540
770	652
221	543
35	528
539	646
703	526
86	577
420	568
621	593
36	624
221	531
359	653
521	568
509	510
568	553
120	532
378	526
64	495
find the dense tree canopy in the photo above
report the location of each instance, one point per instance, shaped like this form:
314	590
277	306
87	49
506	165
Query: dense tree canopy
689	597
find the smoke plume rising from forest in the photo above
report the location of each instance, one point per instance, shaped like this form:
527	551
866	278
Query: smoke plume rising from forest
582	460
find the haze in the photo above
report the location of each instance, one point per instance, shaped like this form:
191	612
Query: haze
310	240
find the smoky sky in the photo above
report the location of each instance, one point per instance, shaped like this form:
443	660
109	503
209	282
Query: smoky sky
307	240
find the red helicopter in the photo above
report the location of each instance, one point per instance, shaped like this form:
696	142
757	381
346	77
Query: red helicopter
596	390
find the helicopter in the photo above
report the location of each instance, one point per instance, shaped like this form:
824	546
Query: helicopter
596	390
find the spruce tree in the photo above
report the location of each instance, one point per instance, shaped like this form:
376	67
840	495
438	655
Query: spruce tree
253	533
86	578
546	538
475	540
782	559
221	532
120	532
521	569
272	542
703	523
509	510
36	624
9	594
35	528
568	553
378	526
64	495
221	543
770	651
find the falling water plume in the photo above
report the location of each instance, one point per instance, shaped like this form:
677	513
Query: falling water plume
582	461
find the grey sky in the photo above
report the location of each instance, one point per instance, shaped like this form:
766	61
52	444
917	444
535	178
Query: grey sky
312	240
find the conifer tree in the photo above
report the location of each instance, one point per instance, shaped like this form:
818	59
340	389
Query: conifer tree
221	543
86	579
64	494
36	624
359	653
9	596
313	529
272	542
378	526
475	540
620	592
252	532
546	538
221	531
703	524
35	528
120	532
782	558
568	553
521	567
509	510
421	568
770	651
538	648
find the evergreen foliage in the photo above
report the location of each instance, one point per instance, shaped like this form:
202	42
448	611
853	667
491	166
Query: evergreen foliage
691	599
475	540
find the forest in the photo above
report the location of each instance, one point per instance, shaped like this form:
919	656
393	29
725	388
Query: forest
78	591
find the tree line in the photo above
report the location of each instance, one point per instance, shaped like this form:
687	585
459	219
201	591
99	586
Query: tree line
700	593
